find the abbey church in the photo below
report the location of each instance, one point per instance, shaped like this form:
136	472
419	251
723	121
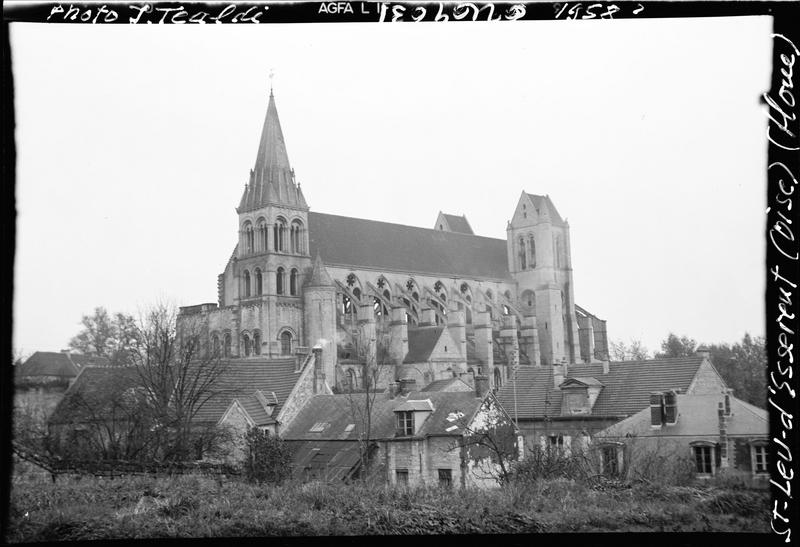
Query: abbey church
421	304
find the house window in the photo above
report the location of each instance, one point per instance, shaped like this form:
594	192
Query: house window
703	459
610	461
405	423
445	478
760	458
286	343
401	477
556	441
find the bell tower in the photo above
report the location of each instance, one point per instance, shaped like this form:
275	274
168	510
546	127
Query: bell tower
539	260
272	259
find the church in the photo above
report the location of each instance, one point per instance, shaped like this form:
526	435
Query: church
384	302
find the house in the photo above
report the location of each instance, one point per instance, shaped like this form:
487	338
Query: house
48	367
414	437
564	406
716	432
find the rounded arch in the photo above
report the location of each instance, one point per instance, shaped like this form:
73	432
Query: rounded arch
246	343
279	234
257	342
296	231
280	275
248	237
246	283
352	379
215	344
259	282
262	234
293	281
528	302
286	338
532	250
521	254
227	342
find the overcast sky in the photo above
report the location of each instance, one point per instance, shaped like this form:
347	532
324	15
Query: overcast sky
134	144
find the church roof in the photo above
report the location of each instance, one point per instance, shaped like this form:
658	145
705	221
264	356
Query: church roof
421	341
357	242
626	387
544	203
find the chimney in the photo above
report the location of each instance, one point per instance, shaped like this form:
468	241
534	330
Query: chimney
428	318
723	435
407	385
394	388
703	352
467	378
398	341
481	386
319	372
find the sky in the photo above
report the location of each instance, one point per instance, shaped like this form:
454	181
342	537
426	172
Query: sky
134	145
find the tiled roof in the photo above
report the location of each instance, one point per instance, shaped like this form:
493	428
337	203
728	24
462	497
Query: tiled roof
411	404
356	242
697	417
448	384
242	377
96	394
626	387
256	410
52	363
587	381
421	341
458	224
334	417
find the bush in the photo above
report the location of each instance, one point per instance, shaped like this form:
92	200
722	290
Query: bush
549	463
267	458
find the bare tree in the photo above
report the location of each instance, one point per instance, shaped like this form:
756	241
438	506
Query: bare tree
376	359
179	374
635	351
106	336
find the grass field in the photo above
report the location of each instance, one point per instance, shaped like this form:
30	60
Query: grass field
194	506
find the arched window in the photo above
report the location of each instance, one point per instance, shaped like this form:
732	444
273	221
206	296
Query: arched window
247	237
293	282
498	379
226	348
215	344
532	245
279	281
246	283
257	342
523	264
261	234
259	282
528	300
280	235
246	344
357	293
297	237
286	343
469	315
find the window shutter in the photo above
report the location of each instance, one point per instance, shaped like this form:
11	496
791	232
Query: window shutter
670	408
656	400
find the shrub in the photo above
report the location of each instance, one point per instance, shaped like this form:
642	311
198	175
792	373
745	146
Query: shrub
549	463
267	457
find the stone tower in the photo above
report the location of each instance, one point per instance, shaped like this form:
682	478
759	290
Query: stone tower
539	259
272	257
319	301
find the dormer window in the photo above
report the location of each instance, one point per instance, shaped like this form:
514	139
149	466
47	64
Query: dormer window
405	423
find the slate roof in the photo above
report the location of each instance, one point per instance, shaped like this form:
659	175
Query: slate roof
697	417
334	413
458	224
327	460
52	363
421	341
95	395
256	410
626	387
356	242
242	378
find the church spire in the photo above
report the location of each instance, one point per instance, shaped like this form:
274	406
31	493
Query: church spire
272	179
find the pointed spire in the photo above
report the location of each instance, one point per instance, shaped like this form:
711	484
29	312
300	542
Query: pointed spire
272	148
319	275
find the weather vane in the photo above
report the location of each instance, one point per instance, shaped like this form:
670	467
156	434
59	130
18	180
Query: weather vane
271	76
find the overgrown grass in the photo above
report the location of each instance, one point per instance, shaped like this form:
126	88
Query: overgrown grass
197	506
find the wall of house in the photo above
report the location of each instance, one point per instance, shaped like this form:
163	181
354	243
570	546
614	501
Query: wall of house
707	380
301	393
423	458
578	430
238	425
